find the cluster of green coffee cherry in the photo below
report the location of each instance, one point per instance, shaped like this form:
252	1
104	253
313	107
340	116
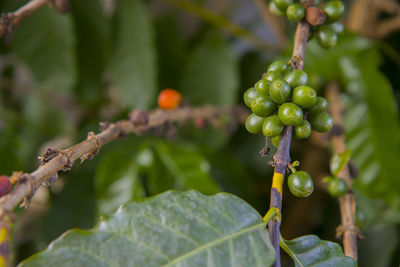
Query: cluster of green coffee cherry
326	34
282	98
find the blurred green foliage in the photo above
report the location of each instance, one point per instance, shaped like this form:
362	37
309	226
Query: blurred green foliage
62	74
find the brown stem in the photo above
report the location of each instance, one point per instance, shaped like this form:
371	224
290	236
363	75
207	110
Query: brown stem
56	160
347	202
282	156
9	21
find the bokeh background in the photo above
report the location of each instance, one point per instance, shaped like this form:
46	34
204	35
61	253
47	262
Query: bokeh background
60	75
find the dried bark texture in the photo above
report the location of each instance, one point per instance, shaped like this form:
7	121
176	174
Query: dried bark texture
9	21
57	160
347	202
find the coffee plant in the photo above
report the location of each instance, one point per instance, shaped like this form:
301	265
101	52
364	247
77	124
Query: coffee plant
209	112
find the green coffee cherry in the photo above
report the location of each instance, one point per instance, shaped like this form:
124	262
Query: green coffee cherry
290	114
336	27
321	122
295	12
262	86
303	130
276	140
320	105
337	187
304	96
263	106
254	123
360	218
280	66
334	10
272	126
296	78
326	36
249	95
282	4
275	10
279	91
300	184
272	76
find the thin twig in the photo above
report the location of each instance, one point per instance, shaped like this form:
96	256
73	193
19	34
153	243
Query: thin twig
347	202
224	24
9	21
56	160
282	156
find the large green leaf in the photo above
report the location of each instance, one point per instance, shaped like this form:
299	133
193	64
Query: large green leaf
172	229
133	61
309	250
211	74
372	127
50	53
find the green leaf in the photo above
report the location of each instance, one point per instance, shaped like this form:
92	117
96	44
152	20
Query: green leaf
117	179
133	61
171	229
338	161
50	53
310	251
92	30
211	74
372	127
187	166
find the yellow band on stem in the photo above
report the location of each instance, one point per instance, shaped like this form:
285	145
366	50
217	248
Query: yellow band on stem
2	261
3	234
277	181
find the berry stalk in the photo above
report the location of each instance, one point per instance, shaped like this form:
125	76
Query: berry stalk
282	156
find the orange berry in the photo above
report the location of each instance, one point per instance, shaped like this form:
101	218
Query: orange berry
5	185
169	99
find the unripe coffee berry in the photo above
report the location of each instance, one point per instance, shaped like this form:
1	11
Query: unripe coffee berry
334	10
279	66
275	10
337	187
249	95
272	126
279	91
295	12
290	114
272	76
254	123
320	105
304	96
263	106
300	184
283	4
321	122
336	27
296	78
169	99
276	140
262	86
303	130
360	218
326	37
